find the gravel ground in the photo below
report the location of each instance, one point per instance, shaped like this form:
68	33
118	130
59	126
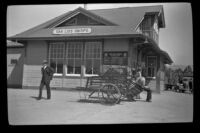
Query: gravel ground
69	107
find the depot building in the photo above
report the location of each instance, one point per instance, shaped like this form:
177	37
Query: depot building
83	43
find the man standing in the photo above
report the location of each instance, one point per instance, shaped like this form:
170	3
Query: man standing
141	81
47	74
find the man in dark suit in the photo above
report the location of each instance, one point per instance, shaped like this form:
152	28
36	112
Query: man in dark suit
47	75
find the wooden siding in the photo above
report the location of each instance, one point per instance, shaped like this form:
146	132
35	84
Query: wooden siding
116	44
14	71
32	75
73	82
133	54
36	52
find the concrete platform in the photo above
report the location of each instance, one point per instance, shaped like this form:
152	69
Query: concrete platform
69	107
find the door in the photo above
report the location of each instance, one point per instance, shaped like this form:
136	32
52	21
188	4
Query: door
151	66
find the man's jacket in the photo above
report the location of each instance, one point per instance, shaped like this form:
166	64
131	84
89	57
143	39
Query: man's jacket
47	74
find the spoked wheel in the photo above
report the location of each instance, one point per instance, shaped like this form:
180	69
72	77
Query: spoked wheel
111	93
122	89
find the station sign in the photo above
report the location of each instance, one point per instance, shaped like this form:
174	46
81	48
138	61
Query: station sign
115	58
72	31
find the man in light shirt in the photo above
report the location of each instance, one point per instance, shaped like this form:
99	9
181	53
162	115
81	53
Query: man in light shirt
141	81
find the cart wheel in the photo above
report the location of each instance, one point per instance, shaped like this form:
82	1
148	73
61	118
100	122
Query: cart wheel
122	89
111	93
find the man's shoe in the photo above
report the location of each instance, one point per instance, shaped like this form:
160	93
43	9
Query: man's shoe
39	98
148	100
132	100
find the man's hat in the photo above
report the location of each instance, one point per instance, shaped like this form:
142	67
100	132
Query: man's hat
45	61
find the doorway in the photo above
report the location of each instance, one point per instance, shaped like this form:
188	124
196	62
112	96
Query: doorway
151	66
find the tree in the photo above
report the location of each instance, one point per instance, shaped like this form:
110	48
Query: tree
180	73
188	71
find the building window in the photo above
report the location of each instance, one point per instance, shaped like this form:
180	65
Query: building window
71	22
56	56
93	51
74	57
13	61
73	54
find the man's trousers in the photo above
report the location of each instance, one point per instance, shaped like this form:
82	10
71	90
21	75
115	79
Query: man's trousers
149	93
42	84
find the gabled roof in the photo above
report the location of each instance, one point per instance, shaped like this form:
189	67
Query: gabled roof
82	11
123	19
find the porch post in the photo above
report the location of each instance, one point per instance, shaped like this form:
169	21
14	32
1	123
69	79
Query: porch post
82	75
129	54
158	74
158	81
24	64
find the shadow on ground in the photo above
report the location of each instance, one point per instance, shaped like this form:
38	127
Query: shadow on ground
96	101
77	89
36	98
102	101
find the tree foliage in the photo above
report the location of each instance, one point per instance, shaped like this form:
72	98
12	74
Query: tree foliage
174	76
188	69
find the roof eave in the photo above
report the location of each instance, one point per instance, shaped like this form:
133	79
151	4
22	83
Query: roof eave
155	45
72	37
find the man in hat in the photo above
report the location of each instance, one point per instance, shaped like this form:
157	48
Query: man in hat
47	75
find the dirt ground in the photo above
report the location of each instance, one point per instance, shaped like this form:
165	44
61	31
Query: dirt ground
70	107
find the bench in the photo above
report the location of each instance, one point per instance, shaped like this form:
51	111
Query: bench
94	83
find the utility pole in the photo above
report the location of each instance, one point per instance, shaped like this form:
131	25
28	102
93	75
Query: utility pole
85	6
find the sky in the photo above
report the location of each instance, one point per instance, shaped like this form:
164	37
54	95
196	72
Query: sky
176	38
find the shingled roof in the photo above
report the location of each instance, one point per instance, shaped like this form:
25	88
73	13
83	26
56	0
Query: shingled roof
129	16
126	20
119	22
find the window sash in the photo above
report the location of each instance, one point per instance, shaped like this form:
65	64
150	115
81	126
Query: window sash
77	53
56	56
74	56
93	52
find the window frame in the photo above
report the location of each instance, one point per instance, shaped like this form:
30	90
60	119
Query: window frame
68	23
85	58
50	58
13	61
66	61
